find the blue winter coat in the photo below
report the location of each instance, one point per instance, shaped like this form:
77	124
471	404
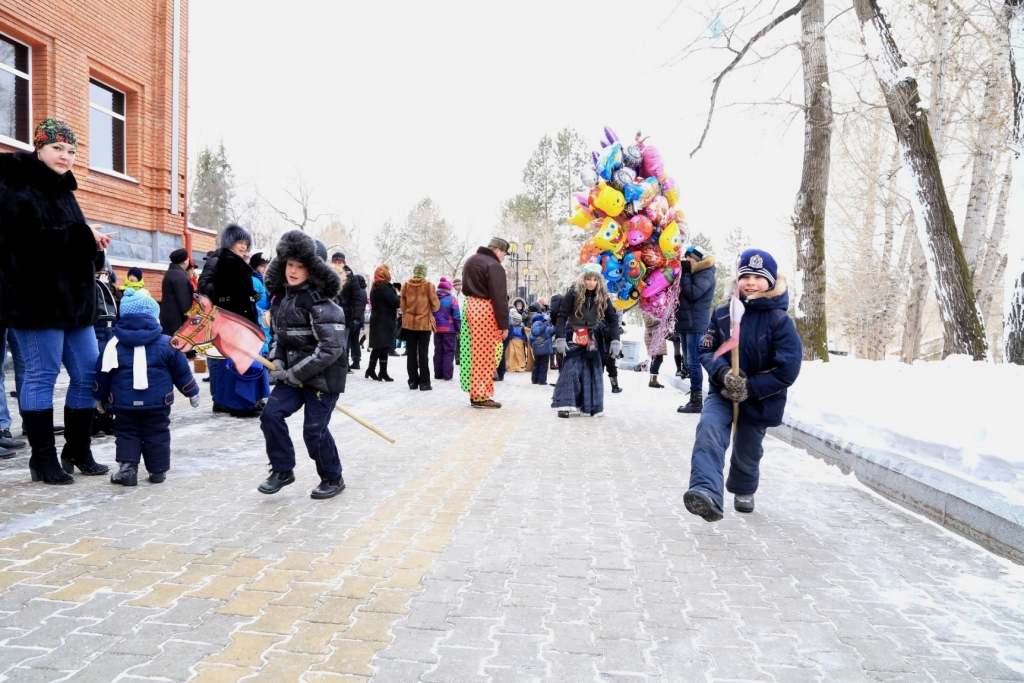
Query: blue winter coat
541	334
696	291
166	367
448	317
770	354
262	306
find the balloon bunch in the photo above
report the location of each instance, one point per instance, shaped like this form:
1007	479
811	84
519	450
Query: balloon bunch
637	233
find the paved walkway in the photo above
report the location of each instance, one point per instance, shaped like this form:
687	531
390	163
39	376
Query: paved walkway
488	546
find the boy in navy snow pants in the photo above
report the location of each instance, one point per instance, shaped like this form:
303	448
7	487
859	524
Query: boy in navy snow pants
770	353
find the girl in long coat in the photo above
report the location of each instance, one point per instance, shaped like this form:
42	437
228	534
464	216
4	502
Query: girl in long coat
384	302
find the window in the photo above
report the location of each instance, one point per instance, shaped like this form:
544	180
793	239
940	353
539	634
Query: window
106	127
15	108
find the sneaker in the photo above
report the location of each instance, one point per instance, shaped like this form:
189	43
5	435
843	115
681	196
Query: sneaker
701	503
743	503
489	403
328	488
277	481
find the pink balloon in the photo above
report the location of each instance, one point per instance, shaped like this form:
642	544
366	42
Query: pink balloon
652	165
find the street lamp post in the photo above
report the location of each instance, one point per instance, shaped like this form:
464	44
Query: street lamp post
532	278
513	250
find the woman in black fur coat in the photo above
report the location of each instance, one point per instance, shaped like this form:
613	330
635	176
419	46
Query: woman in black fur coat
48	262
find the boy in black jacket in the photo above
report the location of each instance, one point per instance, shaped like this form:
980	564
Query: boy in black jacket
308	353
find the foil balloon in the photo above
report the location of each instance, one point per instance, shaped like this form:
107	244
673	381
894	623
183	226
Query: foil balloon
622	177
589	177
609	161
652	165
670	190
590	252
656	304
657	211
671	240
632	157
632	192
634	268
610	200
638	230
655	284
629	302
582	217
651	191
610	135
611	267
610	236
651	256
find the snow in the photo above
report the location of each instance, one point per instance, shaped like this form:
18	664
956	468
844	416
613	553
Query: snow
906	74
957	415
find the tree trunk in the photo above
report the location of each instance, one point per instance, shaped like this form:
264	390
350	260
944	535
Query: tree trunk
810	219
961	320
981	172
940	50
920	283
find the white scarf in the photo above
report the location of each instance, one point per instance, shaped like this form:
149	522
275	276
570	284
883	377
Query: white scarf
140	375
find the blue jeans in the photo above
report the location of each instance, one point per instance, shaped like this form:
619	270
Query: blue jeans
19	362
708	459
691	346
285	400
5	413
212	366
42	352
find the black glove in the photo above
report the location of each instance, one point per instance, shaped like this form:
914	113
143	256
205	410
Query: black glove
686	265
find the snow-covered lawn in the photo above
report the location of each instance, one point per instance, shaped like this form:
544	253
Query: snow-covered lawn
962	416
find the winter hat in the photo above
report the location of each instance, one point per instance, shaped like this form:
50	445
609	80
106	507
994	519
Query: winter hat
695	252
257	260
139	302
498	243
758	262
420	269
592	268
233	234
50	131
382	274
457	281
444	284
321	250
179	256
136	271
516	318
337	256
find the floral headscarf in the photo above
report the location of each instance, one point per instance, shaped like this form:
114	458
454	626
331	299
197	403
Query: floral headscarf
50	131
382	274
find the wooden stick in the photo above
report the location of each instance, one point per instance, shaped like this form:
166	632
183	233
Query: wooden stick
735	406
340	408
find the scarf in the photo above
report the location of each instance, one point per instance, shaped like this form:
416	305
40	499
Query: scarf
141	284
382	274
140	376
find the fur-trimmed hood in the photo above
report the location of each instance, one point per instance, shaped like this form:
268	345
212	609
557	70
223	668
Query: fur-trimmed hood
776	297
703	264
296	245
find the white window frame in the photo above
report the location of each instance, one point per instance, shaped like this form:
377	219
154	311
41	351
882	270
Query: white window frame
122	118
12	142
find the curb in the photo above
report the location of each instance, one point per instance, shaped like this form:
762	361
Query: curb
965	508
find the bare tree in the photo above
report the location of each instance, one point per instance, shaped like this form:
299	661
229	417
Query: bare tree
302	195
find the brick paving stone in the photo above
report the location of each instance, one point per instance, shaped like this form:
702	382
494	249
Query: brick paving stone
506	552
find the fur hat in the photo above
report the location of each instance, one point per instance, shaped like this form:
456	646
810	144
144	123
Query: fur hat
179	256
321	250
498	243
233	234
758	262
136	272
296	245
139	302
50	131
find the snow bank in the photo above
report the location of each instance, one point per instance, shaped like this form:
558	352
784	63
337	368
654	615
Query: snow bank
957	415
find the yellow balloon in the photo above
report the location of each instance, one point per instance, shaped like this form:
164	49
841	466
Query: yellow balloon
610	236
625	304
671	240
672	196
610	200
581	218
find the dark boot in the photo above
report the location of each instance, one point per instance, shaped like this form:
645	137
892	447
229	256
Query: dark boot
383	376
615	385
654	383
354	366
371	370
277	481
414	384
425	387
77	441
8	441
43	464
695	405
126	475
157	477
328	488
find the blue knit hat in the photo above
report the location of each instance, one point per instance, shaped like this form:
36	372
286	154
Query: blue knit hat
758	262
139	302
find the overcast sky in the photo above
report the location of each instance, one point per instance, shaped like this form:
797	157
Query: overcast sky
379	104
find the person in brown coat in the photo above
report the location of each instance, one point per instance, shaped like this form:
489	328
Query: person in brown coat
418	303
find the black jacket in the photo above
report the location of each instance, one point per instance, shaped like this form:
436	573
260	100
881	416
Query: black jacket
48	255
358	304
176	292
347	298
607	326
107	299
309	327
384	302
696	291
227	280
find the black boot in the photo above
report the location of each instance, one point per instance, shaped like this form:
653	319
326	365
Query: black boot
615	385
43	464
277	481
328	488
383	376
157	477
126	475
77	442
695	405
371	370
354	366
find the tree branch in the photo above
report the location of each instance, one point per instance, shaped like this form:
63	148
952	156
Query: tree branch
718	81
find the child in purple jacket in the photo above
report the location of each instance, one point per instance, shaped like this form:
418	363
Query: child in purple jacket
447	324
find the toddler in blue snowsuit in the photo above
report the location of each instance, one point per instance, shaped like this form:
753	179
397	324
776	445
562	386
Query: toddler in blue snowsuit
542	333
136	374
770	353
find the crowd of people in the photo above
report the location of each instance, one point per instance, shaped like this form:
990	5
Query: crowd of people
315	315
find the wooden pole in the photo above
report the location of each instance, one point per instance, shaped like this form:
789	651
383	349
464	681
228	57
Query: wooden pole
735	406
340	408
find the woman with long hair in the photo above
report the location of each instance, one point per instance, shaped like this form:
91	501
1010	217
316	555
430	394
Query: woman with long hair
384	302
585	329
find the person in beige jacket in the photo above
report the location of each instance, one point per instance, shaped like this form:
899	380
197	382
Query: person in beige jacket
418	303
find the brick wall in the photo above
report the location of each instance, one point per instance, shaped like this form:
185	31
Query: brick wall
127	44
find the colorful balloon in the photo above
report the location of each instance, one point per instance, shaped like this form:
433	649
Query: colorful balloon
652	165
651	256
632	192
589	177
651	191
631	300
638	230
622	177
670	189
657	211
609	161
590	252
671	240
632	157
582	217
655	283
655	305
610	236
635	270
612	267
610	200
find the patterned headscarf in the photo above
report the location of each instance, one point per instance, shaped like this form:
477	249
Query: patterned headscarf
382	274
50	131
420	269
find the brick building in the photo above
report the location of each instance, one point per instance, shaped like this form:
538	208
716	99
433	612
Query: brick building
115	70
